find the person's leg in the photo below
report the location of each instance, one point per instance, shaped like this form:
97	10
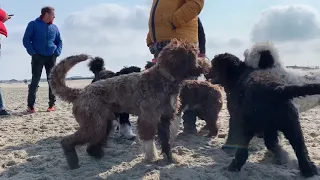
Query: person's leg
49	63
3	111
36	68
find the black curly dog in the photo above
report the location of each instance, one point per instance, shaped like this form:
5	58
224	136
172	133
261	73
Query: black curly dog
259	102
97	66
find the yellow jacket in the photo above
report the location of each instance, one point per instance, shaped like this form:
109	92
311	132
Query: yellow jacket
174	19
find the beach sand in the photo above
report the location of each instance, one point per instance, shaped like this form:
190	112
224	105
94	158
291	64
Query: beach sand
30	149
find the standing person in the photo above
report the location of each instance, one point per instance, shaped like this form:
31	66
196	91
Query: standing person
43	43
3	30
176	19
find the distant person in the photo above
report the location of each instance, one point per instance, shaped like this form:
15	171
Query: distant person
43	43
176	19
3	30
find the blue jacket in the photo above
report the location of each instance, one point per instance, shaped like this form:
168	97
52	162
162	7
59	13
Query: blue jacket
42	38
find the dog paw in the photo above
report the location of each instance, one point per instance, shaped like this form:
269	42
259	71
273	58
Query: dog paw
309	170
282	157
72	160
234	167
95	152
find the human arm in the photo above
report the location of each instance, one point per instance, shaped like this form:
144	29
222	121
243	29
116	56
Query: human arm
27	39
186	12
58	43
201	39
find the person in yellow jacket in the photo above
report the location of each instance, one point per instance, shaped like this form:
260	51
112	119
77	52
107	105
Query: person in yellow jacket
174	19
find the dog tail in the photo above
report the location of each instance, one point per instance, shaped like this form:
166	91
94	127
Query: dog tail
58	75
292	91
96	65
263	55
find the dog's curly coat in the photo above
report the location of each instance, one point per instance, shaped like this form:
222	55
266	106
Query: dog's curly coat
203	97
259	101
152	95
97	67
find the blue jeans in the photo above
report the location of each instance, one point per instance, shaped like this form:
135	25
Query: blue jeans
1	101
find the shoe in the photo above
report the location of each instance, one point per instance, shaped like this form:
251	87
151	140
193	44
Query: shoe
4	112
51	108
31	110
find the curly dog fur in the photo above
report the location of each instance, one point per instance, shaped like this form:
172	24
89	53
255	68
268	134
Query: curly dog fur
97	66
258	101
152	95
273	63
203	97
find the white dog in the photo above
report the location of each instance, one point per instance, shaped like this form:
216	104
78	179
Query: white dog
290	76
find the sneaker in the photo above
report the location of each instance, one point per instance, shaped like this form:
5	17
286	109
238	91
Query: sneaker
4	112
31	110
51	108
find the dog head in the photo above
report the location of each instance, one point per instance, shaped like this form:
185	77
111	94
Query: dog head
180	60
128	70
263	55
226	68
96	65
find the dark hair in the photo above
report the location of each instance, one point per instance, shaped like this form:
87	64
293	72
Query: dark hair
46	9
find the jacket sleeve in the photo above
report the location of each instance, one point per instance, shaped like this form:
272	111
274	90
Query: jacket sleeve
149	41
201	37
187	12
58	43
27	39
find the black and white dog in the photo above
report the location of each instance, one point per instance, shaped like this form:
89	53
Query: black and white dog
97	66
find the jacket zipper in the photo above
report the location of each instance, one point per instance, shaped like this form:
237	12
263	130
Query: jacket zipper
153	28
47	38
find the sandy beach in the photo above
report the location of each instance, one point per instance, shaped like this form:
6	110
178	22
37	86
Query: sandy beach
30	149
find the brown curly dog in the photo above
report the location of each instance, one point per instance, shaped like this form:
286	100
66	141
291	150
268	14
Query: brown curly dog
203	97
152	95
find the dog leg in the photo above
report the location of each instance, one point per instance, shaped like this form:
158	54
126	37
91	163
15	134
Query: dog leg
164	137
229	147
292	131
271	141
211	119
125	126
147	131
126	131
242	153
94	148
174	127
68	144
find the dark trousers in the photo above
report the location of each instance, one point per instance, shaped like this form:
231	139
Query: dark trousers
37	64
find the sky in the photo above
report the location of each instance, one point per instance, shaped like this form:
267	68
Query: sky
116	30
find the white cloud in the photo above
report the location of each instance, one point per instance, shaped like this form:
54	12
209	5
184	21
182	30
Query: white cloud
117	33
295	29
287	23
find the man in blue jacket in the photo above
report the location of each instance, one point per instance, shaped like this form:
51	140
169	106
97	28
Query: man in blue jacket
43	43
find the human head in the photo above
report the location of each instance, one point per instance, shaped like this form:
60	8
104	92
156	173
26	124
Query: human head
47	14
